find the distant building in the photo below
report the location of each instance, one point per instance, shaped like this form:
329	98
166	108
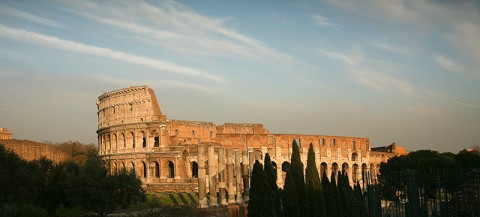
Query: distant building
171	155
393	148
5	134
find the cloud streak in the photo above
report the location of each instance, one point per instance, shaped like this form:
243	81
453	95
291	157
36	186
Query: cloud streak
176	27
323	21
370	73
30	17
160	84
51	41
447	63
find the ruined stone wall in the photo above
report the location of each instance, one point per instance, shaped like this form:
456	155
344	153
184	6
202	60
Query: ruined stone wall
191	132
29	150
241	128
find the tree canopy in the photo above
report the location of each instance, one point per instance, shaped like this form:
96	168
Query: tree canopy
48	185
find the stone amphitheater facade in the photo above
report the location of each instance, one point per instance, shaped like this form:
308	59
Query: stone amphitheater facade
179	155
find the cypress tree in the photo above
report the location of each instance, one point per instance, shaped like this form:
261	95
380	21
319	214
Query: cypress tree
312	178
291	204
361	199
316	206
297	172
273	199
331	202
337	203
257	206
345	192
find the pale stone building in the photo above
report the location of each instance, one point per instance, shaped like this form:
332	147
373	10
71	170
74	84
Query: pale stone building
177	155
5	134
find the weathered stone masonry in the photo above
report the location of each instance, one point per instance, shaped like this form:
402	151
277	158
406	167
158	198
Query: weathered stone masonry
176	155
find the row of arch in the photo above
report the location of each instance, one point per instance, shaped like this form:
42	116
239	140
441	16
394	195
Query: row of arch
142	169
128	139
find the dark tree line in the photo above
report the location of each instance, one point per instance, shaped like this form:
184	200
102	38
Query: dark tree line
304	194
48	186
431	169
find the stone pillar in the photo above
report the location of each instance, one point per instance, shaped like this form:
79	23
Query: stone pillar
222	175
231	191
246	176
329	172
238	178
212	176
202	195
175	169
251	160
147	136
278	159
350	175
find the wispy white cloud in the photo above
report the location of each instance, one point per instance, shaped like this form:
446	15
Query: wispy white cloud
171	25
467	104
51	41
156	84
447	63
382	82
30	17
395	11
392	48
371	73
464	40
323	21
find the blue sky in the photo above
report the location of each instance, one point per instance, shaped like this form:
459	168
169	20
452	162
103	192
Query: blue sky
394	71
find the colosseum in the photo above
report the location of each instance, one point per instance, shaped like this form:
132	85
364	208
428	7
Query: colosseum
179	155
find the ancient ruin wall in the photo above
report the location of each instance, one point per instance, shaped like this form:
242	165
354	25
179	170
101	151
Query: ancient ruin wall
29	150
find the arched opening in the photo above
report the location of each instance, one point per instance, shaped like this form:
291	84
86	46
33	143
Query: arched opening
355	173
194	169
144	140
274	165
156	170
132	167
344	168
171	169
123	166
323	169
354	157
133	139
364	172
156	139
335	171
